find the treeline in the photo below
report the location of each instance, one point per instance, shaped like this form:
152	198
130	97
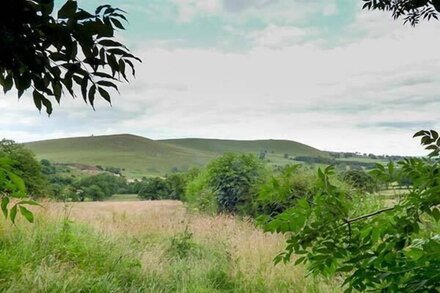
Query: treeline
335	162
346	155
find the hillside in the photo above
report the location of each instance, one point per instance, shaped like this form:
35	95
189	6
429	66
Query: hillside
248	146
140	156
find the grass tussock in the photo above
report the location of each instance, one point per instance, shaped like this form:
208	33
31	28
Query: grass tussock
143	247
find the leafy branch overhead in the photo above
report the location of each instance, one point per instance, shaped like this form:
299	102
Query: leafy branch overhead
51	53
388	249
412	11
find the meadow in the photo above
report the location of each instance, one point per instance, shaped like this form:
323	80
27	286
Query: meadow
144	246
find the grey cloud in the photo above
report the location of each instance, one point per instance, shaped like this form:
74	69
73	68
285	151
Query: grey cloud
399	124
412	81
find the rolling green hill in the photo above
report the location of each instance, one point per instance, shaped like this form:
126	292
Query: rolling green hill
140	156
137	155
248	146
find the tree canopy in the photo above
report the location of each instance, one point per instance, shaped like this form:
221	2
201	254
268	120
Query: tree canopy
51	53
412	11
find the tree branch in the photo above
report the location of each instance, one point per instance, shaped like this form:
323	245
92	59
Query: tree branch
349	221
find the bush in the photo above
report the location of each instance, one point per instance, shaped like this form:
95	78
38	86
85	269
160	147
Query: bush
94	192
282	190
154	188
233	179
199	195
104	186
182	245
360	180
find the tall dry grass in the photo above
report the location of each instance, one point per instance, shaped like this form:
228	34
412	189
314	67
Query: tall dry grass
231	254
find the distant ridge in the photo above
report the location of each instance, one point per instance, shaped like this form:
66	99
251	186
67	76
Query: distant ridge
246	146
140	156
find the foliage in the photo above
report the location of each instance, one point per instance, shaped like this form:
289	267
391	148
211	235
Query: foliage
26	166
360	180
50	53
411	10
329	161
154	188
13	191
182	245
233	178
99	187
390	249
177	184
282	190
199	195
95	192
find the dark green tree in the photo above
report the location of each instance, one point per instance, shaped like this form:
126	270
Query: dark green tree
26	166
233	179
360	180
155	188
55	52
12	187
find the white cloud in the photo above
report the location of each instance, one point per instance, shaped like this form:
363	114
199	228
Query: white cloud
188	9
368	95
279	37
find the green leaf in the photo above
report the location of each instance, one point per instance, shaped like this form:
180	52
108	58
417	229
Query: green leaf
13	213
7	83
420	133
84	84
436	214
48	105
300	260
104	94
68	9
108	84
37	99
100	8
110	43
27	214
17	181
92	92
29	202
4	205
117	23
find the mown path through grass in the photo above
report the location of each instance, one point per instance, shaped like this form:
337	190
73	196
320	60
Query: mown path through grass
143	246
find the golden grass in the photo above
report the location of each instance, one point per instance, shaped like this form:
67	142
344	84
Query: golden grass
249	250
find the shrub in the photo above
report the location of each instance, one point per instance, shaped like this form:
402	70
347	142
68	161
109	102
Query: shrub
94	192
233	178
281	190
107	184
154	188
199	195
176	184
182	245
360	180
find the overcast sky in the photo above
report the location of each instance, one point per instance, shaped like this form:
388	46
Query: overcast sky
321	72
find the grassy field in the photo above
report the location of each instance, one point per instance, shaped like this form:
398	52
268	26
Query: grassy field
143	247
145	157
